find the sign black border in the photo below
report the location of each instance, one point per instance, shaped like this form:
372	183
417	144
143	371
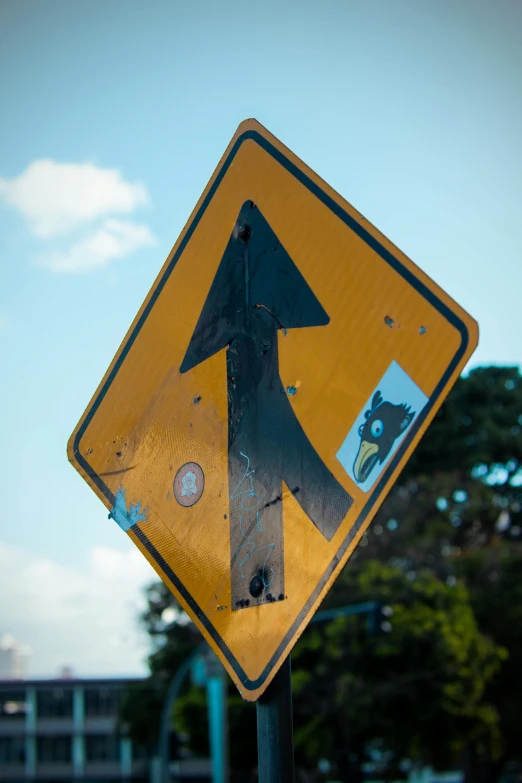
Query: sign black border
390	259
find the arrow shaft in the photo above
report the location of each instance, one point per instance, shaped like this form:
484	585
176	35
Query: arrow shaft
267	446
255	486
257	290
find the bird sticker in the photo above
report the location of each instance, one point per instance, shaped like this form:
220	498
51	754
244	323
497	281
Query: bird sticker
384	423
385	420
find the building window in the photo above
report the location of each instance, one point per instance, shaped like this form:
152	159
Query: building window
12	750
102	747
140	752
12	705
56	703
101	702
54	750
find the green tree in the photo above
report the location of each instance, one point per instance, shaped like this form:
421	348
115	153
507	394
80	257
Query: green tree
142	702
419	690
457	510
445	551
141	707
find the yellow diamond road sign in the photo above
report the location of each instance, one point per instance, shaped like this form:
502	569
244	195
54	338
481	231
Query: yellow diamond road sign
279	374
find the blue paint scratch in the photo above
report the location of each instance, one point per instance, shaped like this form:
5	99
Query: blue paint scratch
126	519
291	390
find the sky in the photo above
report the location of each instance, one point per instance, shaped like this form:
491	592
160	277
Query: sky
114	115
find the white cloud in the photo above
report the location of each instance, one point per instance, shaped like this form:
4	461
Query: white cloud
86	618
56	198
115	239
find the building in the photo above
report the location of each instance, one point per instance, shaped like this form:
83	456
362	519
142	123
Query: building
66	730
12	658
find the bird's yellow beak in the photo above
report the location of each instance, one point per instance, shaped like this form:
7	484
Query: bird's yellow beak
365	461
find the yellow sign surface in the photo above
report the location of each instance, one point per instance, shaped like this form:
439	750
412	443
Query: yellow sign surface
279	374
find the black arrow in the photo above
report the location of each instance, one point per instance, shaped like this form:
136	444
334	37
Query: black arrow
257	291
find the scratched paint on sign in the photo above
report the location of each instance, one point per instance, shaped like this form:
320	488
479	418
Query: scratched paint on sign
250	526
126	519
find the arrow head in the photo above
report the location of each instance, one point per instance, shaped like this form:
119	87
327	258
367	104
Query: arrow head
255	272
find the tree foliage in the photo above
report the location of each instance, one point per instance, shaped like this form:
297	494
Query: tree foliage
444	552
419	689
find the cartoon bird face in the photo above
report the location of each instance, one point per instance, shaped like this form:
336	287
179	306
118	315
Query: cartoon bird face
384	423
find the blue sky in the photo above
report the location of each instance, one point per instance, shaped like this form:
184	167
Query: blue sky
411	110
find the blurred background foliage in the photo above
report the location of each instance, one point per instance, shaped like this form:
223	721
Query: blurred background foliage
439	684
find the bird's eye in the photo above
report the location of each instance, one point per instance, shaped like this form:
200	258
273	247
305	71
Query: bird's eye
377	428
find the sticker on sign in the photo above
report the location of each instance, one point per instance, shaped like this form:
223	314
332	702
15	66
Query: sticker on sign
381	426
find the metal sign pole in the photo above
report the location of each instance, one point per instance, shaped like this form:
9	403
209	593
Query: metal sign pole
275	731
217	721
